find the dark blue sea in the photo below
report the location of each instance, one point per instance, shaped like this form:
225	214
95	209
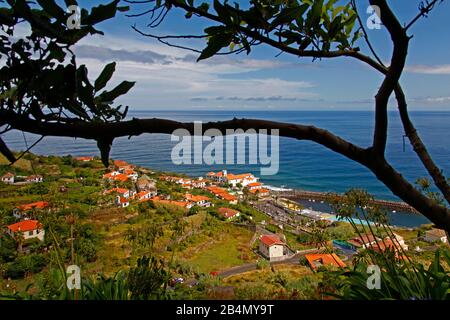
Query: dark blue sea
303	164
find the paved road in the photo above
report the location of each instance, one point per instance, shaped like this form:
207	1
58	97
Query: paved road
252	266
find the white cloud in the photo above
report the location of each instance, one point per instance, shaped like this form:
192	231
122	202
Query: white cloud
173	77
429	69
433	100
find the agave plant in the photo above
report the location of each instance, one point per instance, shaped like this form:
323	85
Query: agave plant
400	277
400	281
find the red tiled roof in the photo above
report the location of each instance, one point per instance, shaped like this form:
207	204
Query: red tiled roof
24	226
254	184
33	177
118	190
270	240
195	198
84	158
8	175
34	205
129	171
121	163
142	194
227	196
367	239
227	212
215	190
324	259
242	176
120	177
175	203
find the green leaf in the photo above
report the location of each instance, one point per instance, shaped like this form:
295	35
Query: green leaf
52	8
105	76
288	14
102	13
121	89
215	43
222	11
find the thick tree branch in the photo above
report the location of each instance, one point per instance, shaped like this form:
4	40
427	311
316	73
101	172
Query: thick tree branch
102	132
400	41
419	147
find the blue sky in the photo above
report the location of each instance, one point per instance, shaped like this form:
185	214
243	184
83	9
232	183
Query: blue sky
169	78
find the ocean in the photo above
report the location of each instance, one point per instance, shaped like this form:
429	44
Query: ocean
302	164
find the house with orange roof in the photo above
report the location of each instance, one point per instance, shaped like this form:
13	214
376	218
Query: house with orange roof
21	211
201	201
130	173
364	242
261	193
144	195
28	229
254	186
84	159
271	246
315	261
35	178
228	197
116	176
8	178
122	165
124	193
233	179
182	204
110	175
122	202
228	213
222	194
199	183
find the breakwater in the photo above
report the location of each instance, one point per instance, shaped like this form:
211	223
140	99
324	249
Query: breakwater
322	196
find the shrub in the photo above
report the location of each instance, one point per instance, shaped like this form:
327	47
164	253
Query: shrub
26	264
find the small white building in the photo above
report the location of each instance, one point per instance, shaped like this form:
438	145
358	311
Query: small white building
435	235
8	178
144	195
228	213
200	201
122	202
199	183
400	241
271	246
29	229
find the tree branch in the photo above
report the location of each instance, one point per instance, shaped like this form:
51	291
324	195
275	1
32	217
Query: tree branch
106	132
400	41
419	147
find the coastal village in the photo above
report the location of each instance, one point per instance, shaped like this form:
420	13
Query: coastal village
224	226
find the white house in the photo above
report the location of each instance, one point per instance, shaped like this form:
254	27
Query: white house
125	193
434	235
271	246
122	202
29	229
400	241
144	195
8	178
364	242
233	179
228	213
199	183
200	201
